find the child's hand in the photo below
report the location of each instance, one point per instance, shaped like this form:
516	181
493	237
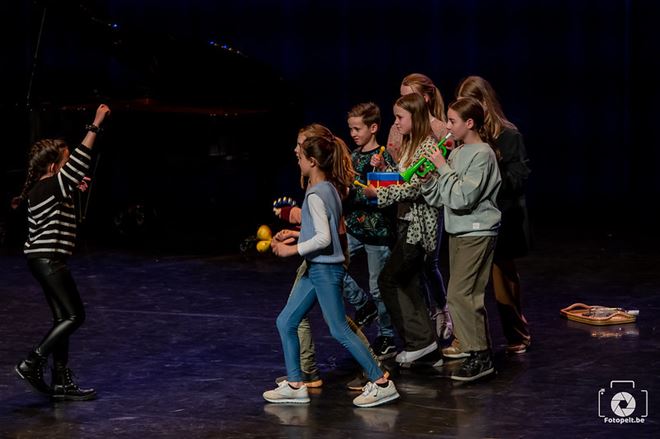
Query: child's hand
370	191
378	161
295	215
284	249
428	177
286	236
84	184
101	113
437	159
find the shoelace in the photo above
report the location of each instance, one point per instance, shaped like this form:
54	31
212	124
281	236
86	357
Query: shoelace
370	388
41	364
68	376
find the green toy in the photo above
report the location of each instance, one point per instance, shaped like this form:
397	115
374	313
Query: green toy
424	165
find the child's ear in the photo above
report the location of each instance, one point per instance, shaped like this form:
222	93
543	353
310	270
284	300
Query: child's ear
469	124
373	129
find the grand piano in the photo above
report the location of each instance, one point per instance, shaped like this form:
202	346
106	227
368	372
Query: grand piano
200	139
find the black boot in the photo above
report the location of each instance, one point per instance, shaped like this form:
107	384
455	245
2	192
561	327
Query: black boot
65	389
32	371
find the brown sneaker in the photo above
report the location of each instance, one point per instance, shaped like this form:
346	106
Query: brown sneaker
517	348
454	351
311	380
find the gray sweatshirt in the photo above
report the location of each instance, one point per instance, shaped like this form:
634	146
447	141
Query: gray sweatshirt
467	186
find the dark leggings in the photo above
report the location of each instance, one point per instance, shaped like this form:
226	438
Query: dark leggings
433	283
399	283
64	301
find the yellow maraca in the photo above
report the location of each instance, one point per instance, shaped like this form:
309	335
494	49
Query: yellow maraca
265	235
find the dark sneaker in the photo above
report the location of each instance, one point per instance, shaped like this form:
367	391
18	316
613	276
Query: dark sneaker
384	347
311	380
477	365
366	314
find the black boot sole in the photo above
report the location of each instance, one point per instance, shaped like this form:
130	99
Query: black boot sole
32	386
73	397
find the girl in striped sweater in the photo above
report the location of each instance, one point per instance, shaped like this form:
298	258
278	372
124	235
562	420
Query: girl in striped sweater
53	176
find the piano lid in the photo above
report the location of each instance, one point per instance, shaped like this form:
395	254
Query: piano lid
84	60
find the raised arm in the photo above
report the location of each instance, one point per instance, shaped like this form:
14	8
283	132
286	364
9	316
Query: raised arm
92	130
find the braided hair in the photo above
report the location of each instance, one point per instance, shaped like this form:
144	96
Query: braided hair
42	154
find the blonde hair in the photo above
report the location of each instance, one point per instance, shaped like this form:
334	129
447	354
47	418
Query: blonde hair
421	126
478	88
423	85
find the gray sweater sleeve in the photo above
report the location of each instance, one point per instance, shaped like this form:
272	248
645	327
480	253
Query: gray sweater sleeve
459	192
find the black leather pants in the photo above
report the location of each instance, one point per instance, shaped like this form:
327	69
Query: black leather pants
64	301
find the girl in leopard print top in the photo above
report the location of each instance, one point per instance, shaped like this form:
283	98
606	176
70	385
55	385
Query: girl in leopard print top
399	281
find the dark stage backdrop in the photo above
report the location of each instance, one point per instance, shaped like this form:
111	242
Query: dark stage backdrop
578	78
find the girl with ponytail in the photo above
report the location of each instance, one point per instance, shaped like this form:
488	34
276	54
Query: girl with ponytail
513	236
417	83
467	184
326	165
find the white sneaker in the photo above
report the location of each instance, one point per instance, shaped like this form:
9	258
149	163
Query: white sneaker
409	357
373	395
285	394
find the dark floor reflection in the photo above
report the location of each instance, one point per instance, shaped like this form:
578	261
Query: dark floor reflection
183	346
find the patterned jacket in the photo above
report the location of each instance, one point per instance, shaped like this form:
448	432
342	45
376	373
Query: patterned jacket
423	218
365	221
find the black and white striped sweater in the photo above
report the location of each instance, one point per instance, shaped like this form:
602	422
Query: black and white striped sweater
51	213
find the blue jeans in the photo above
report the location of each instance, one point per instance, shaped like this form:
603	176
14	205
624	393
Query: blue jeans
322	283
377	256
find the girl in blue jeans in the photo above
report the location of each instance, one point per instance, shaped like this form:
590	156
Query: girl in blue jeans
326	165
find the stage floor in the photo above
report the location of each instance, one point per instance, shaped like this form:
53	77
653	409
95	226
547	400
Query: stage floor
182	346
